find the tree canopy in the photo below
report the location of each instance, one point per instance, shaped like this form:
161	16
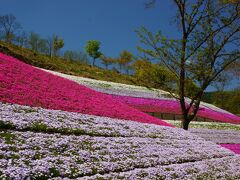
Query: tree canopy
92	48
209	43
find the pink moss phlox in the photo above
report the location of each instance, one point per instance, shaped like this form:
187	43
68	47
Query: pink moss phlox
233	147
172	106
23	84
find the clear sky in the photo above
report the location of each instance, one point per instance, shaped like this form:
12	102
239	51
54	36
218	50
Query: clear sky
110	21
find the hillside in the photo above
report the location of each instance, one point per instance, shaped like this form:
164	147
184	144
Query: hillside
62	65
39	143
83	70
52	127
147	100
228	100
26	85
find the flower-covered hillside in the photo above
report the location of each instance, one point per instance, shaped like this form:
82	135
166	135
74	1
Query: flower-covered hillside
23	84
173	106
37	143
225	134
150	100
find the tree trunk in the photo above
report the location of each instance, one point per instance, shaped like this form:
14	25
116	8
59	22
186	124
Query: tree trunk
93	62
185	124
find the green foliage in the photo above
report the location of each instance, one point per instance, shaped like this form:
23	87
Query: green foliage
33	41
107	60
57	44
92	48
54	172
190	88
39	127
4	125
228	100
8	137
61	65
75	56
124	59
36	43
153	75
202	51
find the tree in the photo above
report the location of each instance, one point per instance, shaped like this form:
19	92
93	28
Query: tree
42	46
49	42
33	41
22	39
75	56
92	48
220	84
152	75
125	59
57	45
37	43
232	103
208	44
8	27
107	60
69	55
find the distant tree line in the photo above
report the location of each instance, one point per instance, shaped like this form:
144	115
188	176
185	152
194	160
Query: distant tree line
12	32
145	71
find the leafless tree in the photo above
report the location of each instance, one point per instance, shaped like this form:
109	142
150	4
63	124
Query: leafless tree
9	26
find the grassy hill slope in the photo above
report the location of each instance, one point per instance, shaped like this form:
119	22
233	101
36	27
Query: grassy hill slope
62	65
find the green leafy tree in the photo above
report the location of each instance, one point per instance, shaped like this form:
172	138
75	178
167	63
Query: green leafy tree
153	75
8	27
36	43
92	48
33	41
58	43
125	59
232	102
208	44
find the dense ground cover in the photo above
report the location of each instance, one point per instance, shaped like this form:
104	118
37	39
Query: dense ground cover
23	84
42	143
150	100
45	143
172	106
226	135
218	136
207	125
115	88
233	147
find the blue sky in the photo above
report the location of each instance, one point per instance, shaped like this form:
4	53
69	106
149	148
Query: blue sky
110	21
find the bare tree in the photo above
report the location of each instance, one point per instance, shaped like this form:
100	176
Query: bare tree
107	61
33	41
22	39
209	43
50	40
8	27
